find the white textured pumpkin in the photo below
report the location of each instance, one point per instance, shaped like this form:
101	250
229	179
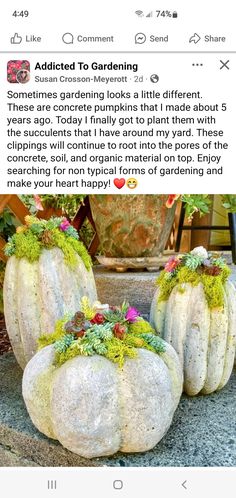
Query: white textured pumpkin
37	294
204	339
95	408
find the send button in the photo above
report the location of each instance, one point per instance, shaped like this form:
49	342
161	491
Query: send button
159	39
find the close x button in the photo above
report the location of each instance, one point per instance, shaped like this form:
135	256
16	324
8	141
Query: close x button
224	65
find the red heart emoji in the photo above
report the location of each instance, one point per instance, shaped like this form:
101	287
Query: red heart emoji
119	182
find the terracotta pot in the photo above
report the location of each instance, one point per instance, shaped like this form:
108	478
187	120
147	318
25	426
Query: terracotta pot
132	225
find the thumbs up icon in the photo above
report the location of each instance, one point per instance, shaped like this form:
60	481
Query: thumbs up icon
16	39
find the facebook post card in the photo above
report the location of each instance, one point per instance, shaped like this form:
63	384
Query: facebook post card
117	297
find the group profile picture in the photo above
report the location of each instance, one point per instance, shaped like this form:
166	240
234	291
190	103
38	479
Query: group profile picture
18	71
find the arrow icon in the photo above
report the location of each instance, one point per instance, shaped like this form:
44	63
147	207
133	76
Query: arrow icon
184	484
194	38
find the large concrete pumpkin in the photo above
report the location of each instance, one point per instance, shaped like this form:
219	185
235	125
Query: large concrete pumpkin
94	408
204	336
38	292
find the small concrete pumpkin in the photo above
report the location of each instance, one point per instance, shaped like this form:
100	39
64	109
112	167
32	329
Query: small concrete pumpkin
47	273
96	407
194	309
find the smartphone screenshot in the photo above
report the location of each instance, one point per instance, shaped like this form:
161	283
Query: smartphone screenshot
117	297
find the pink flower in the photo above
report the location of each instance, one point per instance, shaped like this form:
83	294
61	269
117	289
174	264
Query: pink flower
38	202
132	314
172	263
64	225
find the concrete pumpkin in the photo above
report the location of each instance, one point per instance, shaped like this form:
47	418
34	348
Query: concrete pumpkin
94	407
37	292
202	332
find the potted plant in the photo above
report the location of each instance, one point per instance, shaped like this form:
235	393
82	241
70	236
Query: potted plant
137	226
194	309
103	382
48	205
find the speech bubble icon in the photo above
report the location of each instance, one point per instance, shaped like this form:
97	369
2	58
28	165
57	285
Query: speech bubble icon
68	38
140	38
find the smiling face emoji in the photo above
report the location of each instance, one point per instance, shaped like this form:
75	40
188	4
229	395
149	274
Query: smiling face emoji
132	183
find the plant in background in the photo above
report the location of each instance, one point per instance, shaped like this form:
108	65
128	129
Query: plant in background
229	202
193	203
7	229
68	204
200	203
111	331
7	224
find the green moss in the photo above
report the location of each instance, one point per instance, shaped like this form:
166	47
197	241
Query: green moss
186	275
81	251
173	371
134	341
42	398
70	247
113	349
74	350
117	350
225	273
181	289
59	332
168	282
37	235
213	285
27	246
43	385
214	291
59	240
101	339
141	327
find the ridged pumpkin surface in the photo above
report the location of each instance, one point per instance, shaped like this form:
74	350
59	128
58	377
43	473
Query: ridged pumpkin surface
37	294
204	339
95	408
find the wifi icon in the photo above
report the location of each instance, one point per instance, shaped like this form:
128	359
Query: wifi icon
139	13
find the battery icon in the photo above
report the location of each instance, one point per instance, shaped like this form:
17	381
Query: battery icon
175	14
